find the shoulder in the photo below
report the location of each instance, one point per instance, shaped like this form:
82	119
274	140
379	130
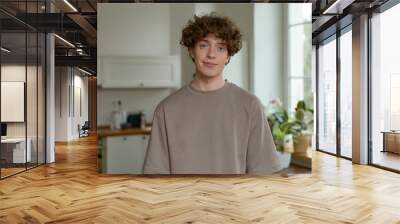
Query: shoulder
252	101
172	99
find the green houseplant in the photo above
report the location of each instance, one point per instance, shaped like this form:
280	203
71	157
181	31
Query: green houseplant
281	126
290	133
304	119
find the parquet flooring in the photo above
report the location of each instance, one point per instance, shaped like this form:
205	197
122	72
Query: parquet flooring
71	191
387	159
10	171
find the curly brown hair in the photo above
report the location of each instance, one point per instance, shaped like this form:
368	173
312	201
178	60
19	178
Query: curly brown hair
222	27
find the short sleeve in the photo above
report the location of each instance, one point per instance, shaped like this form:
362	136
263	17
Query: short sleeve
262	157
157	159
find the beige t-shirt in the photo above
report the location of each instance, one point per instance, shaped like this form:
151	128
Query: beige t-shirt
211	132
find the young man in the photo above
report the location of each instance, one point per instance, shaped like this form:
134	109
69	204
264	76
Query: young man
210	126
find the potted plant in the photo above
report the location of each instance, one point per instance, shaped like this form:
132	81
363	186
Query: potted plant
291	134
304	121
281	126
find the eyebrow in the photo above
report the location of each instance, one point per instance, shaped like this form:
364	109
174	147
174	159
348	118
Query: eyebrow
220	43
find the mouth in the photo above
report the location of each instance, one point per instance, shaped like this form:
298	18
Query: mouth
208	64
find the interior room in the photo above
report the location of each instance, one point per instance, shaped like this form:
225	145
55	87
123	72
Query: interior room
288	81
385	114
80	81
22	100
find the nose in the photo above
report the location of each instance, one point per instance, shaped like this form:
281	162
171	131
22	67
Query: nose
211	52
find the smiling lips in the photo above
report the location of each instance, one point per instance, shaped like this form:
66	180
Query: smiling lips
210	65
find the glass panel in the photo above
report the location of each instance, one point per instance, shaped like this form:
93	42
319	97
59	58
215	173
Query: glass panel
41	98
31	86
23	89
346	94
31	100
386	89
13	87
327	97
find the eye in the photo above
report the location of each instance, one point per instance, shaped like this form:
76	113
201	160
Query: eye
203	45
221	49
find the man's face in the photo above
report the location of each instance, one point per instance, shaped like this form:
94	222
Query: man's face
210	55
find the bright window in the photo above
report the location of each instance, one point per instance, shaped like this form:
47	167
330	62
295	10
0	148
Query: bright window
385	84
327	97
346	94
299	54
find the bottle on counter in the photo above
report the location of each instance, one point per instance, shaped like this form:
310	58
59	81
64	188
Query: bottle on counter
122	113
114	116
117	115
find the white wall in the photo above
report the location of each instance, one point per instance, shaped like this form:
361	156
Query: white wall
81	103
13	73
180	14
66	121
61	103
268	52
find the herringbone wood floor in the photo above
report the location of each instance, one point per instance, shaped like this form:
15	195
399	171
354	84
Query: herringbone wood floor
71	191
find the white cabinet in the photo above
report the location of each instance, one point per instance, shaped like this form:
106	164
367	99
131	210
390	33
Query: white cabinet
124	154
139	72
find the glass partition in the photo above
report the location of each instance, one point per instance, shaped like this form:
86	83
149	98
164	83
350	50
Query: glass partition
31	99
13	94
327	97
346	94
41	79
22	88
385	89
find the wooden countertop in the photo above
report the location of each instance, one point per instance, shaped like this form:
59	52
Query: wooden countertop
102	133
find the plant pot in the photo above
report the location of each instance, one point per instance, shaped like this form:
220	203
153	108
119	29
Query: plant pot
288	144
302	143
284	158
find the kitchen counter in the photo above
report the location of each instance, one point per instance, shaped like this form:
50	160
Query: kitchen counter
102	133
122	151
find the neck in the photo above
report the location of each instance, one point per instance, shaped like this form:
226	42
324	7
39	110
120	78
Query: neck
208	84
